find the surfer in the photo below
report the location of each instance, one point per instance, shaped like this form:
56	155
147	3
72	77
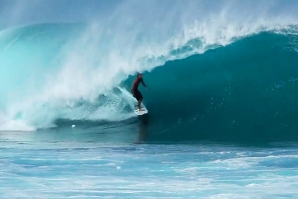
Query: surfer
135	92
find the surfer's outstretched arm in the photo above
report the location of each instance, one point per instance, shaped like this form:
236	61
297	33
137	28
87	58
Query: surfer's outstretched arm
144	84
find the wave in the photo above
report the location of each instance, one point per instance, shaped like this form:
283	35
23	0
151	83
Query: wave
242	91
245	91
54	71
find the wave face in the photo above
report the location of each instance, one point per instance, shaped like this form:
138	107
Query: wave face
214	72
245	91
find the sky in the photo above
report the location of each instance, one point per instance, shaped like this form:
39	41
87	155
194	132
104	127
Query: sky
22	12
16	12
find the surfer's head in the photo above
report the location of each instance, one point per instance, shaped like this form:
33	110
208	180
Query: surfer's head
140	75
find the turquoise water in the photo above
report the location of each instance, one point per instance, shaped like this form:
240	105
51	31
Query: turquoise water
52	165
221	100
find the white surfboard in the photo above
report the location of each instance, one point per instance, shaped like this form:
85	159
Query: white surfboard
141	112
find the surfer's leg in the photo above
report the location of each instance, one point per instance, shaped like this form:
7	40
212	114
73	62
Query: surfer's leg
139	98
139	103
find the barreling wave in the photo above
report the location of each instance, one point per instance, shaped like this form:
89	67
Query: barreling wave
54	71
81	72
245	91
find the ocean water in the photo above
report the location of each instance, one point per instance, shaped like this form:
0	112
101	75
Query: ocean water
222	100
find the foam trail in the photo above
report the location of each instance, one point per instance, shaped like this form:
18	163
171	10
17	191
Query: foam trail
7	124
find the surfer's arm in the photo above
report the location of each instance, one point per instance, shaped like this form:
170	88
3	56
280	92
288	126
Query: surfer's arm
144	84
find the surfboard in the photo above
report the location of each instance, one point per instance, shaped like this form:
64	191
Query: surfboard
141	112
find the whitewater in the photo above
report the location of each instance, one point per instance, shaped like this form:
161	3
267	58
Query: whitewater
222	80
